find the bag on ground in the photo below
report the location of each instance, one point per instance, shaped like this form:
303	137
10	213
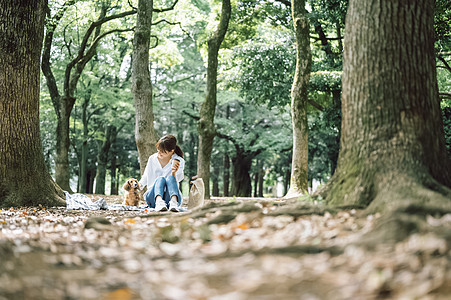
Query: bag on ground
196	194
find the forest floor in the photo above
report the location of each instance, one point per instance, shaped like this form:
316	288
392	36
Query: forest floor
228	249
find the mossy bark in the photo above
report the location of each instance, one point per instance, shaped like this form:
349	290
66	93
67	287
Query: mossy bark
392	144
24	179
299	100
141	85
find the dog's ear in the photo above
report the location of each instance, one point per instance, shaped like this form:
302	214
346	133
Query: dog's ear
127	185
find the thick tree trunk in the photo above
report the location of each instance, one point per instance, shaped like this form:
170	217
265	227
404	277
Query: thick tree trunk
242	181
392	144
141	85
24	179
206	127
299	100
62	174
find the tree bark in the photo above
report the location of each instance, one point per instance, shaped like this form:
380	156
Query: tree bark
392	152
206	128
226	175
242	181
113	186
84	147
24	179
261	175
142	86
102	158
299	100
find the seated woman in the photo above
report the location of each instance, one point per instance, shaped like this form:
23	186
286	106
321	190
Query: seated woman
163	173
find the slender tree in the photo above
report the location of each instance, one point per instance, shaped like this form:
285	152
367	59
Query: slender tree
24	179
392	153
141	85
299	100
145	135
206	127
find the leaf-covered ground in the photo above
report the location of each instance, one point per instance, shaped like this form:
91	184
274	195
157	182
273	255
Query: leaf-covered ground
229	249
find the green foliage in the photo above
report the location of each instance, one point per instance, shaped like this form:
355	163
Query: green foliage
325	81
442	24
264	72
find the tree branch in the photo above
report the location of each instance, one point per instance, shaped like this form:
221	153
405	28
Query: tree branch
315	104
446	65
285	2
195	117
158	10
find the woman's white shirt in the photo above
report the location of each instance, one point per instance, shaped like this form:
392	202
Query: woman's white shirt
154	170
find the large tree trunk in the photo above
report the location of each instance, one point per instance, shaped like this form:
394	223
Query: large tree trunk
141	85
299	100
242	181
62	174
206	127
392	152
24	179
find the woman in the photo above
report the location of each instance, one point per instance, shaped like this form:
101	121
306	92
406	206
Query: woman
164	171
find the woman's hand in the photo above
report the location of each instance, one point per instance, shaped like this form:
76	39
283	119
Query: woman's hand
175	166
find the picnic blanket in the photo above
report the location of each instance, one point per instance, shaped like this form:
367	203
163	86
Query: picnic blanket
83	202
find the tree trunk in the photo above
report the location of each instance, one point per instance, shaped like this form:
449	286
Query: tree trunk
113	190
226	175
206	128
215	191
392	151
62	174
256	184
242	181
102	158
24	179
261	175
299	100
141	85
84	147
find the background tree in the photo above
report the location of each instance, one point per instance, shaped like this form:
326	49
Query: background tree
141	85
299	100
392	153
64	102
206	126
24	179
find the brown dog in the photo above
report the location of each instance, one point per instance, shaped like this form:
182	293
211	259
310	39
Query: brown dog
133	192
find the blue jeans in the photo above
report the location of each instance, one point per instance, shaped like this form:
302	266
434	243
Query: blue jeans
164	187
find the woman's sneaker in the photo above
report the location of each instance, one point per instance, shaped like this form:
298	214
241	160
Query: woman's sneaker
173	205
160	205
